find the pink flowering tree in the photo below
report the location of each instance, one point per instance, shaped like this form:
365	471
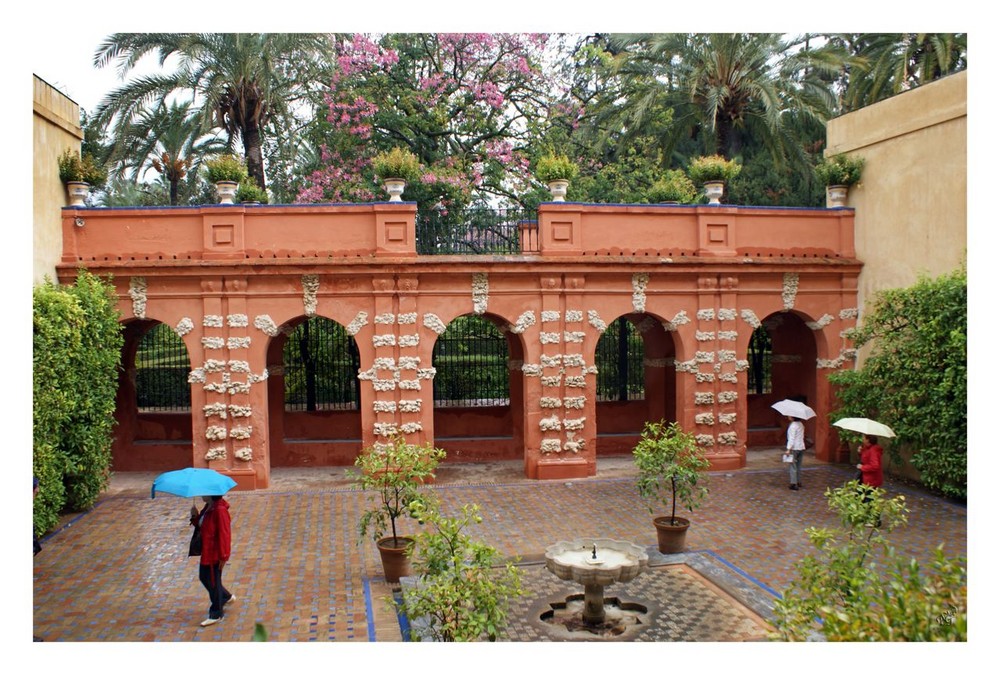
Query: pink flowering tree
468	105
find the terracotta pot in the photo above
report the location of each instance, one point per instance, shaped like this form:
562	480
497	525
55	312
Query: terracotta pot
671	538
395	563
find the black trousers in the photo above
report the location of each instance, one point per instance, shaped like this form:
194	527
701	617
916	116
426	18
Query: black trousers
211	578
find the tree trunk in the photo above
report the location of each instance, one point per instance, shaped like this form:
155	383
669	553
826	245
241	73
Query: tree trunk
254	158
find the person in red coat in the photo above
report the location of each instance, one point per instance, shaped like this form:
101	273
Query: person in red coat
216	539
871	462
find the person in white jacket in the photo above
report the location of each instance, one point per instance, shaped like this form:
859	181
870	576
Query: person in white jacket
795	447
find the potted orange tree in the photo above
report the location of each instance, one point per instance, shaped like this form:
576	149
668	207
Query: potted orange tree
670	466
394	476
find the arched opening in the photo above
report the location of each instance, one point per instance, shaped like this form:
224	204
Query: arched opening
474	394
782	364
314	398
153	411
636	380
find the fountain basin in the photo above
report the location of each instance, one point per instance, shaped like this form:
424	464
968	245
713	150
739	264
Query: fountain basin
616	561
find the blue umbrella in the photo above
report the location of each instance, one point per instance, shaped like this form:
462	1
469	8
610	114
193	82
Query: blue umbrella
192	483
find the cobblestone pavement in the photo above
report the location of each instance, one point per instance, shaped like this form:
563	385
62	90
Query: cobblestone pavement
120	572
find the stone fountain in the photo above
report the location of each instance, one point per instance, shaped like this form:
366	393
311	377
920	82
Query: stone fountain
595	564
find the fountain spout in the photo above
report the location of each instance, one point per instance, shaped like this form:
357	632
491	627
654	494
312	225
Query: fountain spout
593	555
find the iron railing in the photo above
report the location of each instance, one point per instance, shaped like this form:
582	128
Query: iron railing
759	358
470	359
321	363
477	231
161	372
620	375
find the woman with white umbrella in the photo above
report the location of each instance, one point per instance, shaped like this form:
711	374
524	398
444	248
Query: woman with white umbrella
795	444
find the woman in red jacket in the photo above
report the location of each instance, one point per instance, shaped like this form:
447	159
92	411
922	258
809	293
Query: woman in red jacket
871	462
216	537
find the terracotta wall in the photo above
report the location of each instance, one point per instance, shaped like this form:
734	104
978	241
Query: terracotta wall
217	277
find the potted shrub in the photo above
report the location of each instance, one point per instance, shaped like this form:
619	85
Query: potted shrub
556	171
838	173
248	192
79	175
463	589
396	168
226	172
394	475
670	466
713	172
674	188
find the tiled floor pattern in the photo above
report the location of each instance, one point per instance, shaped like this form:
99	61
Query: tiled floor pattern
120	573
681	606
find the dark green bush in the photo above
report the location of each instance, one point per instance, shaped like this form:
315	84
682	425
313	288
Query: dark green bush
915	379
77	344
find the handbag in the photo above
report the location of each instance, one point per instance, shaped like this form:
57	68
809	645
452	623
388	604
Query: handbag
787	458
194	548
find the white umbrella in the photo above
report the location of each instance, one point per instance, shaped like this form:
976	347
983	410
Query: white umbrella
865	426
794	409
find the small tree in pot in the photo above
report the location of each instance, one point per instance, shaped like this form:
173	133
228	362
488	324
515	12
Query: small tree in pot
395	475
670	463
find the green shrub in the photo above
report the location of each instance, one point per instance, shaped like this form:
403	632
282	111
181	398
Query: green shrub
915	379
555	167
397	163
712	168
77	343
225	168
858	588
249	191
464	587
675	186
840	170
74	168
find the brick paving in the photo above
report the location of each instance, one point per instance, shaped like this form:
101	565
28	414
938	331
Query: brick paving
120	572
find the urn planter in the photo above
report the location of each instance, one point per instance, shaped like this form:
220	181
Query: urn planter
558	189
226	191
77	192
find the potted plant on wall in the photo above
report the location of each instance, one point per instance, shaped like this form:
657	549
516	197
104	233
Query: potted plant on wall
396	168
226	172
713	172
556	171
394	476
674	188
670	466
463	587
838	174
79	175
248	192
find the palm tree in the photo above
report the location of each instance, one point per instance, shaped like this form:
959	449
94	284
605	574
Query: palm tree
247	84
169	140
721	89
889	63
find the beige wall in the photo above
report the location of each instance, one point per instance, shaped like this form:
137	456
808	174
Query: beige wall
56	126
910	208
